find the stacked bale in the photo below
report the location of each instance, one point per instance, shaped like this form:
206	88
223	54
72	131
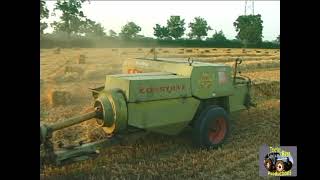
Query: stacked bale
71	73
59	97
82	59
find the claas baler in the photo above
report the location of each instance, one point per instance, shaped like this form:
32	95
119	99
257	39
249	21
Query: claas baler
161	96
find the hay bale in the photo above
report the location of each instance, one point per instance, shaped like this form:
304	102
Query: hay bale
189	50
165	51
214	49
57	51
114	50
207	51
180	52
58	97
69	77
94	74
228	49
139	49
258	51
259	65
152	50
74	68
82	59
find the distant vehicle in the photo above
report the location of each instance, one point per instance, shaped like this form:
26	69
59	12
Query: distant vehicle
274	161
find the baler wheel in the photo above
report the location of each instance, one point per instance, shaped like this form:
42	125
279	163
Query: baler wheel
211	128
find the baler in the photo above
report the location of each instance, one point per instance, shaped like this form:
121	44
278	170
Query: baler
161	96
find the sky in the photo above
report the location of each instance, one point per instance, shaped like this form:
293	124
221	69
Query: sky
220	15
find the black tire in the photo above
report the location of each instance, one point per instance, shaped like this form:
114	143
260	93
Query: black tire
288	166
268	165
203	133
280	166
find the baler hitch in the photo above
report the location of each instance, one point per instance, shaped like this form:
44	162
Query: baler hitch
69	153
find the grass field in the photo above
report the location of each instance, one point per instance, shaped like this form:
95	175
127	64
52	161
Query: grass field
158	156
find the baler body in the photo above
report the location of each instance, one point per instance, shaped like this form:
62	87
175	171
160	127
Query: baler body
165	95
162	96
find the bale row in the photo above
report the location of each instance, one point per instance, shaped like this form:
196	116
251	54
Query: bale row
245	59
213	55
252	65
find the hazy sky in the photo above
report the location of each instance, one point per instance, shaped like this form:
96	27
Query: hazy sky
220	15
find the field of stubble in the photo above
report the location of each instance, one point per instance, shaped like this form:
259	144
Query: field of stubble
159	156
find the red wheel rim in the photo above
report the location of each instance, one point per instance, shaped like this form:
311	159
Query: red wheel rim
217	130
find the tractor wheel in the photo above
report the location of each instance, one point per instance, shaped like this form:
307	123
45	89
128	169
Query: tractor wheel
211	127
280	166
268	165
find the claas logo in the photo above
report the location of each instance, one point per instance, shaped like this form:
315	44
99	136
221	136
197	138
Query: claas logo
206	80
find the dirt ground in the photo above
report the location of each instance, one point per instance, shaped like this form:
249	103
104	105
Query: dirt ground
157	156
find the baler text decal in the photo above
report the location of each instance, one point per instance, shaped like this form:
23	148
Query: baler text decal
168	89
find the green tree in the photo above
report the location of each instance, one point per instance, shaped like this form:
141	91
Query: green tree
112	33
44	14
249	29
130	30
199	28
161	32
72	17
219	36
92	28
176	27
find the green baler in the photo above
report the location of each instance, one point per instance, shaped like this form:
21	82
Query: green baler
162	96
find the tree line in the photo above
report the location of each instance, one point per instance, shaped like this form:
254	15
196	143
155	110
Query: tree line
74	25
